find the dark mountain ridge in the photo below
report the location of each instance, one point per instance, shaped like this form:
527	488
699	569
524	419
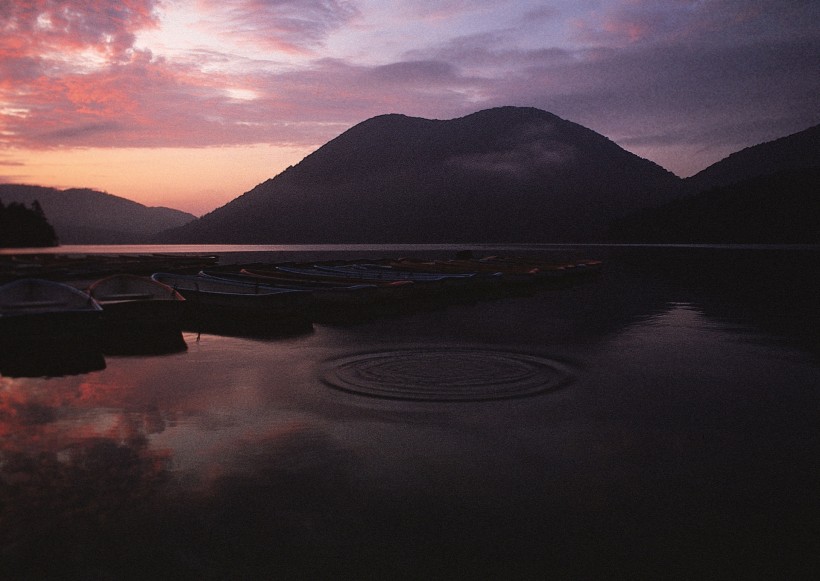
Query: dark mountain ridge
766	194
794	152
781	208
509	174
84	216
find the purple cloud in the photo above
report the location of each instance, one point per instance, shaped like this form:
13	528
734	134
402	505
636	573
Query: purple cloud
414	72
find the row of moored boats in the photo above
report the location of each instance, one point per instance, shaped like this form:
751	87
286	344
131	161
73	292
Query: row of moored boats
260	297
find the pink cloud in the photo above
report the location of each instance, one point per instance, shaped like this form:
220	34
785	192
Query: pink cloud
35	26
291	26
127	103
632	22
49	52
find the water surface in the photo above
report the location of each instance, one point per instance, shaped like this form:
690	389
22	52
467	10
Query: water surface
659	421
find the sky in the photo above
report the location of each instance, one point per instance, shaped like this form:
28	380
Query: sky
188	104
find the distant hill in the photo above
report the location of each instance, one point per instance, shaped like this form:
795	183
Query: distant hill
502	175
83	216
766	194
793	152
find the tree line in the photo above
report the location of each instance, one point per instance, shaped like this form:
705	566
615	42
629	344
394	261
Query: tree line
22	227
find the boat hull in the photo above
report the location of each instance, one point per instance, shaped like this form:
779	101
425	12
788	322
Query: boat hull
334	303
48	328
42	308
236	308
139	315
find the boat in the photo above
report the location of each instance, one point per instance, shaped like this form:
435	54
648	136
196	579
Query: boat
426	288
478	267
34	306
420	285
332	302
327	294
48	328
447	286
130	295
238	306
543	267
371	291
510	269
324	274
381	272
139	314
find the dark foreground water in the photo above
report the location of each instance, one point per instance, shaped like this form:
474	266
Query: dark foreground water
665	425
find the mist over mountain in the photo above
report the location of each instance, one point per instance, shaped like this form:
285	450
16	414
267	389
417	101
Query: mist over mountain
83	216
502	175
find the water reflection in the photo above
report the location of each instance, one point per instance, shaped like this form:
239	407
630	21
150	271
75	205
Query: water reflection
38	358
246	327
61	509
769	289
117	342
685	446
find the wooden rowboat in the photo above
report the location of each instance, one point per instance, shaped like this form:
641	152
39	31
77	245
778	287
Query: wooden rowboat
371	271
544	267
48	328
129	293
333	302
379	291
447	286
139	314
42	303
237	305
326	295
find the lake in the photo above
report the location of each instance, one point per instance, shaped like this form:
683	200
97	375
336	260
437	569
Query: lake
658	421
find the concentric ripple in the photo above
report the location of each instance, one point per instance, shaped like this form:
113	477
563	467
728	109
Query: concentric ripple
446	374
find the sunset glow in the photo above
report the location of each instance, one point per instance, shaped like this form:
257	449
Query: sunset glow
190	104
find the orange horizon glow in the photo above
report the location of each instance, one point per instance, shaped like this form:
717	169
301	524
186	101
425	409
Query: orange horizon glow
195	180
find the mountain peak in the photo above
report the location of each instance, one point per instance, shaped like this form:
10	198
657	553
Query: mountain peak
500	175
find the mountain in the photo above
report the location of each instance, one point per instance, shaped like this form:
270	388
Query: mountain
83	216
766	194
794	152
502	175
782	208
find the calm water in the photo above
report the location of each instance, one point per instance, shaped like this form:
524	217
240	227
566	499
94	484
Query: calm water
665	424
